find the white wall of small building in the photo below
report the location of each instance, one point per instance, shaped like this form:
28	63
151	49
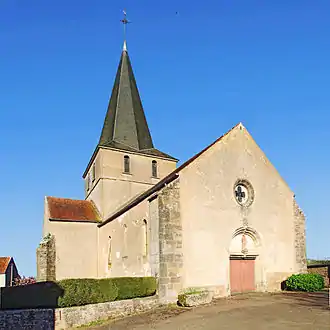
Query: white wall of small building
2	280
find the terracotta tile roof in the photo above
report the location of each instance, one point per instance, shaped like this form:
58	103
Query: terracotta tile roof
4	262
72	210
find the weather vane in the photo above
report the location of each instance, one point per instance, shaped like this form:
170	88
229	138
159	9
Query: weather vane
125	21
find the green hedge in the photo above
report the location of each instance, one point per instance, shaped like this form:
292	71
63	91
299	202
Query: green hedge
78	292
135	287
305	282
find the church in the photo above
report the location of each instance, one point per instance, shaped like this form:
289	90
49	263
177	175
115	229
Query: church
224	220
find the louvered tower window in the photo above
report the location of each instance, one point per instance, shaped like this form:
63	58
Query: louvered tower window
93	172
154	169
126	164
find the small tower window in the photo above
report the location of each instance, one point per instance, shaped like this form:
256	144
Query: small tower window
154	169
126	164
93	172
87	182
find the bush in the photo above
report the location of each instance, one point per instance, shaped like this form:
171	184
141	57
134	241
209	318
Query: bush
305	282
24	280
135	287
78	292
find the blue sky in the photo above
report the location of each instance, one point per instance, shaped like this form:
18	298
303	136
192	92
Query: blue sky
201	67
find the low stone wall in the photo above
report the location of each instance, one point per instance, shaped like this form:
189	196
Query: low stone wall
22	319
195	299
64	318
324	271
76	316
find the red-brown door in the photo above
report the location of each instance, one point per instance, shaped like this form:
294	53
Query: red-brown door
242	275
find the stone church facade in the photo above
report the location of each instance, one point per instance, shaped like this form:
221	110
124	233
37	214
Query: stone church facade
224	220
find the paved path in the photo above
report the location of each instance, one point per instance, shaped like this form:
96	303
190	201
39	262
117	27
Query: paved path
242	312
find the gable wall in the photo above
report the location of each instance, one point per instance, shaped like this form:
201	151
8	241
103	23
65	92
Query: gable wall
11	273
76	248
210	214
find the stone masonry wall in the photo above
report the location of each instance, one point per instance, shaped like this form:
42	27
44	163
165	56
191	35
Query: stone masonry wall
300	238
46	259
154	237
170	243
77	316
27	319
324	271
64	318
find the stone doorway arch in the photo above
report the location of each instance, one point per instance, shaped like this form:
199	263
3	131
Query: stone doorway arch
244	250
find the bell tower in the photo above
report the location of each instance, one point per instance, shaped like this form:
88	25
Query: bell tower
125	161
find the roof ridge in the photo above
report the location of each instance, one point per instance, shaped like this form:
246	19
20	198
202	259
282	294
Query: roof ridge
68	198
96	210
133	106
118	93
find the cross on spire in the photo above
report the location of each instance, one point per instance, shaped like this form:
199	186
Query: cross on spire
125	21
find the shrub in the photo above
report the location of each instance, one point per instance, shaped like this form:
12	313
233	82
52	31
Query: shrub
305	282
24	280
78	292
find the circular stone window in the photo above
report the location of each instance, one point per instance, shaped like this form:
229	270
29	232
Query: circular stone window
244	193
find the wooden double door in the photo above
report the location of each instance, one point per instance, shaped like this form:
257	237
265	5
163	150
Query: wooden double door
242	275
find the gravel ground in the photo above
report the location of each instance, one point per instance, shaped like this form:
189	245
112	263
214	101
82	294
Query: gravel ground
251	311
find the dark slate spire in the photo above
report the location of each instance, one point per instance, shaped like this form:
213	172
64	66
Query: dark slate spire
125	121
125	125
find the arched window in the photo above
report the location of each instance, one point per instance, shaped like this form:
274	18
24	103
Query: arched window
126	164
125	247
154	169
